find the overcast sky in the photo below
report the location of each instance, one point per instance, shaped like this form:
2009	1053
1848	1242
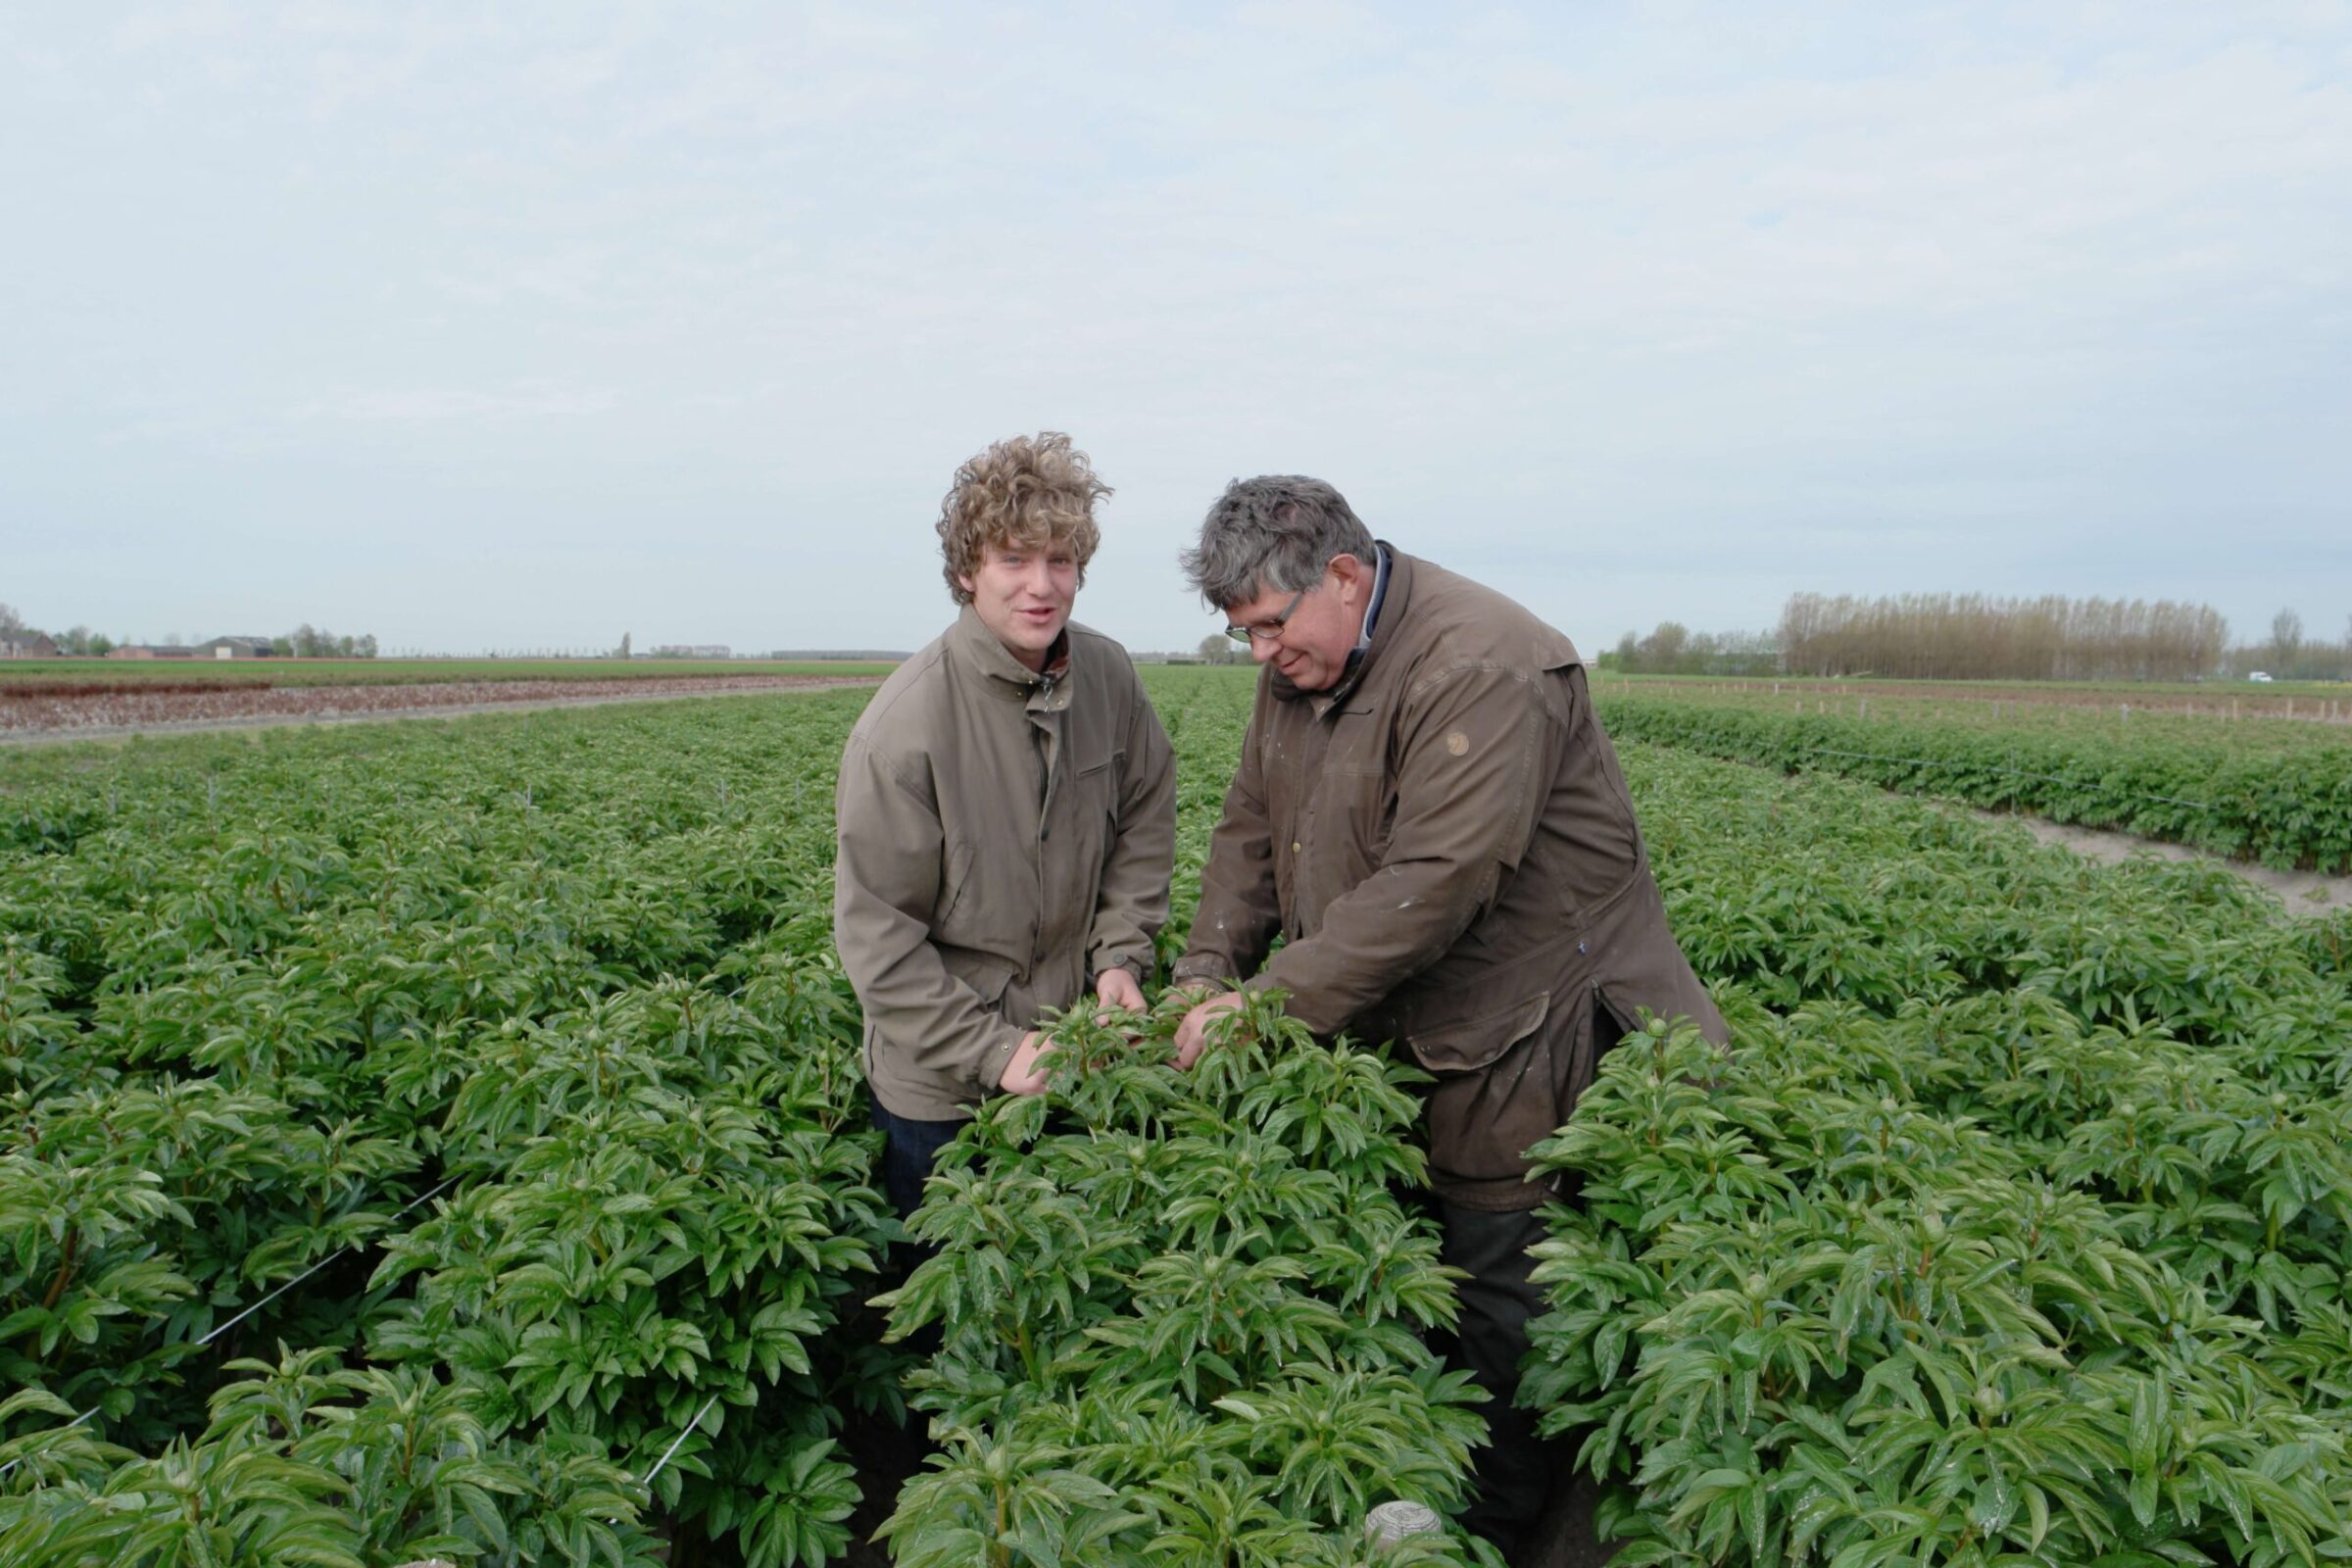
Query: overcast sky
527	325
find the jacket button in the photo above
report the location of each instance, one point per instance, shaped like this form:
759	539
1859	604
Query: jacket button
1294	846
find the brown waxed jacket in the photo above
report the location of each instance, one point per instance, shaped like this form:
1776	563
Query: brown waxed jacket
1003	836
1446	844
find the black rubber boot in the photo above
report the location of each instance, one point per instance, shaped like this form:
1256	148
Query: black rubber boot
1516	1473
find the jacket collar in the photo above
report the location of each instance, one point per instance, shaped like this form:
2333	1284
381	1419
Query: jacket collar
973	648
1394	592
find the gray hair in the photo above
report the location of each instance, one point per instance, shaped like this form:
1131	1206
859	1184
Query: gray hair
1276	531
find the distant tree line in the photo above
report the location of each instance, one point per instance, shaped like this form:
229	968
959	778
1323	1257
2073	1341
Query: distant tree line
79	642
1978	637
1975	637
317	642
2291	654
1219	648
1673	649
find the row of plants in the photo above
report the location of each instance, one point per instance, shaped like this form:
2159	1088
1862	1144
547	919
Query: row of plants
2271	791
664	1222
492	1087
1182	1316
2257	698
2011	1227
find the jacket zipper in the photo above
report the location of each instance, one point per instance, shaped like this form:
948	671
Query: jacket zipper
1053	734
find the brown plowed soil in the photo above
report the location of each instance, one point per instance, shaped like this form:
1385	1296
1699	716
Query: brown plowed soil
96	714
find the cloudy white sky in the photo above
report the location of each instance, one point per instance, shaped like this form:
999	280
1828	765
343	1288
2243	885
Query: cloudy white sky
526	325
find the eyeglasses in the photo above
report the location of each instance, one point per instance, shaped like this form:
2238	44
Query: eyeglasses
1265	631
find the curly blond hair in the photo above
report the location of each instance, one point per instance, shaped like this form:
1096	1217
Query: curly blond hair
1030	491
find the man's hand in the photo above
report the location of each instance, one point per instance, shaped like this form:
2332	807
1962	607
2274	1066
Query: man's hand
1025	1073
1116	988
1192	1035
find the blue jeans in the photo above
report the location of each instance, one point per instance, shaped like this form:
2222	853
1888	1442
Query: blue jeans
910	1149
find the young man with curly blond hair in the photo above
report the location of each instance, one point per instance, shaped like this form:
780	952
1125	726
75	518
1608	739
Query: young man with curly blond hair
1007	814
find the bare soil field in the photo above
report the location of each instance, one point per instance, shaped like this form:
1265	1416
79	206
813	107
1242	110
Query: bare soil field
36	716
78	676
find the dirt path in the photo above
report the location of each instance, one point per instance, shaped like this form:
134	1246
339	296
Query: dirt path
2303	891
646	692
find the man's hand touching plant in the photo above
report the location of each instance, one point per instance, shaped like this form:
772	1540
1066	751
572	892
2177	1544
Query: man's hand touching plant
1192	1035
1117	988
1031	1063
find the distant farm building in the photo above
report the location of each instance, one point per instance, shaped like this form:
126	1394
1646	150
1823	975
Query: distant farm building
27	644
236	647
695	651
153	651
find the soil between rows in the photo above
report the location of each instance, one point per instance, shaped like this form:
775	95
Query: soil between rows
2302	891
119	714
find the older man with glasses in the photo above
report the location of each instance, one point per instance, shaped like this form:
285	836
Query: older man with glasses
1428	812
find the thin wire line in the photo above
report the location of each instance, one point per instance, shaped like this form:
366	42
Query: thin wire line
256	1307
308	1272
59	1433
681	1438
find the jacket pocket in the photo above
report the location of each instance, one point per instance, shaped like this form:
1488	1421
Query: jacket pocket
1469	1044
1095	788
985	972
951	886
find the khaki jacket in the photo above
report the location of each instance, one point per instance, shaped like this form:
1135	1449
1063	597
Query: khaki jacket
1002	838
1445	844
